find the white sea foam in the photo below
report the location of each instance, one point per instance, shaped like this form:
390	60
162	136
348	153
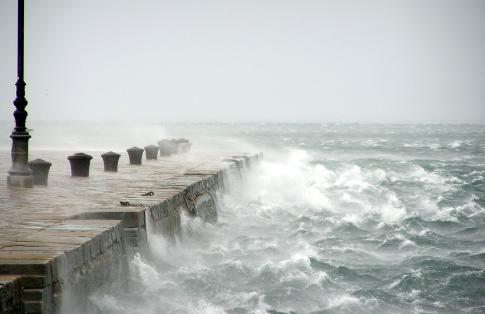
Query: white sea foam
108	304
298	183
456	144
204	306
308	233
146	273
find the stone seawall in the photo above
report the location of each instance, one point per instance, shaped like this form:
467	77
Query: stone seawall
60	242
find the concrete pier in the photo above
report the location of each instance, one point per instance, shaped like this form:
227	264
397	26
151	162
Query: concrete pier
77	231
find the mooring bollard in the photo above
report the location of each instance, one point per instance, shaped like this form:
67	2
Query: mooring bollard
174	146
166	147
135	154
110	160
40	171
182	145
151	152
80	164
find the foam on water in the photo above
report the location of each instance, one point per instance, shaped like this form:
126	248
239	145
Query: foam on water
397	228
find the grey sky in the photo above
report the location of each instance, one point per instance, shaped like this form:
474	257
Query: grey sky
316	61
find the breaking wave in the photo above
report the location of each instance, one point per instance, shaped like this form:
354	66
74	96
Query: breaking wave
311	232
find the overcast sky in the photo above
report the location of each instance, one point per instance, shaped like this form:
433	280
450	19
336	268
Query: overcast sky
252	60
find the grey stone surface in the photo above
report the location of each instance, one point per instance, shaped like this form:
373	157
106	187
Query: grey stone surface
10	295
60	238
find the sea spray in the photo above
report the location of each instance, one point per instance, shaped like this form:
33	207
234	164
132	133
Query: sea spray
380	219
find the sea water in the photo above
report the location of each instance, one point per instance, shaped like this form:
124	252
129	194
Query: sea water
335	219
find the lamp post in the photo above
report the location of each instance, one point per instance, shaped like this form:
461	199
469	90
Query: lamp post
20	175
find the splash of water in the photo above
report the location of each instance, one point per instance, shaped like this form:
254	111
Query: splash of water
309	232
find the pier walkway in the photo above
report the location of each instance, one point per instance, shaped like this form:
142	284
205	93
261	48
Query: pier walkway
51	236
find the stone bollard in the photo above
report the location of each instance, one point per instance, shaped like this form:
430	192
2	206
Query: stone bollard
80	164
151	152
166	147
135	154
40	171
110	160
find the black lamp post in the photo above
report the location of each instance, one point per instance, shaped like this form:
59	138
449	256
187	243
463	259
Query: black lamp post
20	175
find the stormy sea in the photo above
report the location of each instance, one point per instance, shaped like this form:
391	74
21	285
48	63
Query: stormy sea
336	218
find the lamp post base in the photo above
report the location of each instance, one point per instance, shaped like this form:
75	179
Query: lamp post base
20	175
17	181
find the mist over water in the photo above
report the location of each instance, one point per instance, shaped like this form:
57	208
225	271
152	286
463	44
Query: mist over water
336	219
